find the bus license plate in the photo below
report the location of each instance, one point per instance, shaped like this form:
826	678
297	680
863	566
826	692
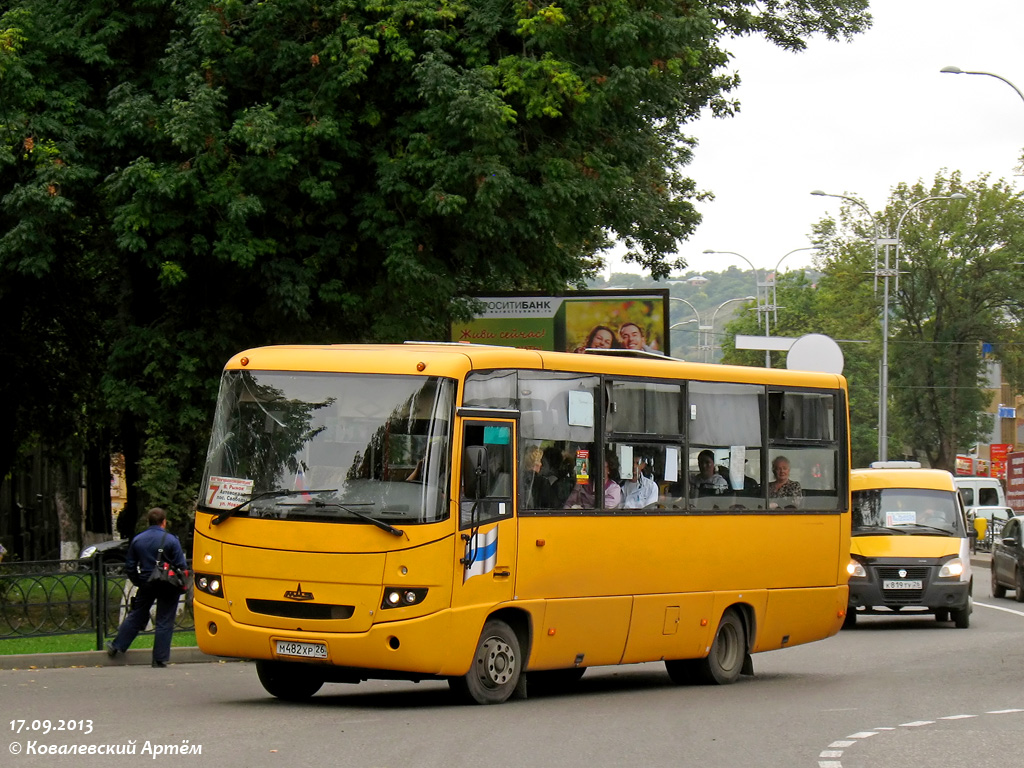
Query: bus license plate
305	650
903	584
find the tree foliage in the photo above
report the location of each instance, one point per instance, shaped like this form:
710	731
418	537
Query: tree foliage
179	180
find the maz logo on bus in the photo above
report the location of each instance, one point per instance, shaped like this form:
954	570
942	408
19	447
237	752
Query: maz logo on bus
298	594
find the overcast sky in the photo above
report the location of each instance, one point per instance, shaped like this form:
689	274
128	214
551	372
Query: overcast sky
856	119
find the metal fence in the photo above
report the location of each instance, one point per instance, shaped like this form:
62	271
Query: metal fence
70	597
993	532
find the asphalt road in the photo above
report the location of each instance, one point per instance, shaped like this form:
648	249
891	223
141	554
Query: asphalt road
907	693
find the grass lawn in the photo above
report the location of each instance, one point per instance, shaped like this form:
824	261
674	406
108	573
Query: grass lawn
67	643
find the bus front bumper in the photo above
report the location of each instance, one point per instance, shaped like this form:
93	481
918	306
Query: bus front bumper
406	648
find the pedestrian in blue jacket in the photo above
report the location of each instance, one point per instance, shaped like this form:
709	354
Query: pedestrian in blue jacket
142	557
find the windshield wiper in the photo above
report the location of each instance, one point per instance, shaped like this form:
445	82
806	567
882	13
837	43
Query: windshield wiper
279	493
362	516
875	530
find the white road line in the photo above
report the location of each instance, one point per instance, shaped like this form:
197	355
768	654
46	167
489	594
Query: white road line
835	749
998	608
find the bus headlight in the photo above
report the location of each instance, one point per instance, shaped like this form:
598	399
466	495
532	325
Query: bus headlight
210	584
952	569
400	597
855	570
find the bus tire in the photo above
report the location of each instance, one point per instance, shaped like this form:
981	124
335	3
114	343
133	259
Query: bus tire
288	682
496	668
850	620
724	662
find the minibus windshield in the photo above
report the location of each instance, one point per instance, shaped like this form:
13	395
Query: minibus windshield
914	511
330	447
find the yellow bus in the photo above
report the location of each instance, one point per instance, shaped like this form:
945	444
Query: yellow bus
910	548
489	515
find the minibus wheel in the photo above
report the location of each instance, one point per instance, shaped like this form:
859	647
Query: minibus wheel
962	616
496	668
288	682
723	664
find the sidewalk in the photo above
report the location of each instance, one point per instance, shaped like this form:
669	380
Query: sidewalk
137	657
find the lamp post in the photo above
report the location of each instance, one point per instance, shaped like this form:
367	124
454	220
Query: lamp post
775	279
711	328
677	326
883	423
696	314
757	296
958	71
886	274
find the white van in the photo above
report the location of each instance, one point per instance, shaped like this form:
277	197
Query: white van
981	491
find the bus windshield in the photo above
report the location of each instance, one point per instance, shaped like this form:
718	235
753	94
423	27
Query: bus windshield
915	511
330	447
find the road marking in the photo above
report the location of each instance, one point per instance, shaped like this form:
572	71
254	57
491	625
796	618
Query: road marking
836	748
999	608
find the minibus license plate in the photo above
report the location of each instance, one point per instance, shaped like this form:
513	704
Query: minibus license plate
306	650
903	584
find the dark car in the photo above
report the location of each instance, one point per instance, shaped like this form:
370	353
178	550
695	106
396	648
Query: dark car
113	552
1008	560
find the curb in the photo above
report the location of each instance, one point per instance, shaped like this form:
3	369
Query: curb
137	657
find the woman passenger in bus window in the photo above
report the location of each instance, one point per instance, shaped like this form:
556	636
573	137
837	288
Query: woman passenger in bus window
582	496
788	492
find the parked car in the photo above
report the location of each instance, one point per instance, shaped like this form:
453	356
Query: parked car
113	551
1008	560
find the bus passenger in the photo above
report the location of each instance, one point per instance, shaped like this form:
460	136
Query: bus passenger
707	482
582	496
642	490
788	492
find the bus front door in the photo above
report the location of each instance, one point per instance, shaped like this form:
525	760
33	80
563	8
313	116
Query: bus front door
486	545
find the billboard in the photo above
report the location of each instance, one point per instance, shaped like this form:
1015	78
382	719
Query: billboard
570	322
1015	482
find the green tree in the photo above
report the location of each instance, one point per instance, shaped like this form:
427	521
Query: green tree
959	289
211	175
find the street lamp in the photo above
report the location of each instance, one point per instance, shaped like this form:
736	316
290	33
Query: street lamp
958	71
695	314
757	295
711	328
863	206
883	423
774	307
882	417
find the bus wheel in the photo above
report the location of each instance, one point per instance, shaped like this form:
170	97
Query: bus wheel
496	668
288	682
851	618
723	664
